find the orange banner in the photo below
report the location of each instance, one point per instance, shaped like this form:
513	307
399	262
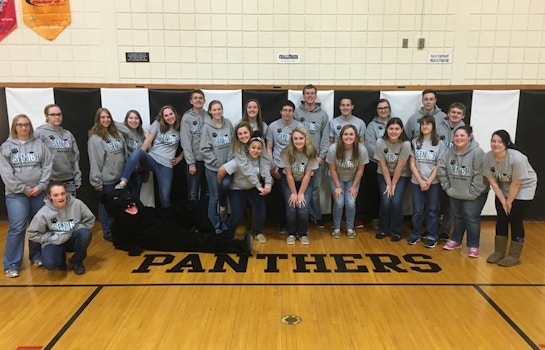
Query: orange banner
46	17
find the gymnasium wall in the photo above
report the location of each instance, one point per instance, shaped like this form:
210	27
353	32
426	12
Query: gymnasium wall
237	42
520	112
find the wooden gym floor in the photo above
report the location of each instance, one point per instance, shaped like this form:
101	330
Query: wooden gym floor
350	294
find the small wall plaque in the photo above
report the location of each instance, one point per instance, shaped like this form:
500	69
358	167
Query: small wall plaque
136	56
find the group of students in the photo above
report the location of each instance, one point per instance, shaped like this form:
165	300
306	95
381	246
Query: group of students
436	154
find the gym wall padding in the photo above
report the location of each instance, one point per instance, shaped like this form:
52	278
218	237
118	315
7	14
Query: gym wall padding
521	112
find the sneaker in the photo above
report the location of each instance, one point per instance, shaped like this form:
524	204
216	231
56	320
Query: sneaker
374	224
473	252
305	240
223	213
351	233
38	262
283	231
290	239
358	223
413	241
443	236
380	235
319	223
261	238
336	233
395	237
79	269
451	245
11	273
430	243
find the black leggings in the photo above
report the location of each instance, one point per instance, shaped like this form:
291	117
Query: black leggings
514	219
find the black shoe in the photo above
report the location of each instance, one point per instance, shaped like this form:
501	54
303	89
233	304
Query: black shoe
443	236
79	269
430	243
380	235
248	243
108	238
411	240
319	223
395	238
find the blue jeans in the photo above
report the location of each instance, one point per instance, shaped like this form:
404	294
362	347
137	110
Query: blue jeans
391	209
163	173
344	201
21	209
297	218
105	219
135	183
197	182
238	200
54	256
213	215
467	217
421	200
315	209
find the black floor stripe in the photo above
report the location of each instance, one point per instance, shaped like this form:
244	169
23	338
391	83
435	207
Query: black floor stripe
370	284
72	319
507	319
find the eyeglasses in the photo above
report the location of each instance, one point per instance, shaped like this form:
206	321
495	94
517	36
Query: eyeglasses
55	114
21	125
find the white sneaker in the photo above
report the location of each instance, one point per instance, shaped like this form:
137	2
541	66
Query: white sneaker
305	240
290	239
38	262
12	273
336	233
351	233
261	238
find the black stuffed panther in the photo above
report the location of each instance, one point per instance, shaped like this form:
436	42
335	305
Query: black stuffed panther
137	227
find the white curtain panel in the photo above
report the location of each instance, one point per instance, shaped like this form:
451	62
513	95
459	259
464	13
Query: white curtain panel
231	101
492	110
325	98
30	102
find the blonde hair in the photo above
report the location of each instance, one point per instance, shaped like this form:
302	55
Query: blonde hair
13	131
309	150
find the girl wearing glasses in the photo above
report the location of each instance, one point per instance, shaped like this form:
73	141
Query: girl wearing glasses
25	167
63	147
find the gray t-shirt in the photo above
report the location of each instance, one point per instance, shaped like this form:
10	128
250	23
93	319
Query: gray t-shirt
391	153
300	165
515	165
279	133
164	144
347	167
426	157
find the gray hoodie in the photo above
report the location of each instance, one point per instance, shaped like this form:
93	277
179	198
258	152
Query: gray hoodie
106	160
317	124
445	131
461	173
190	135
412	127
64	150
55	226
216	143
375	130
24	165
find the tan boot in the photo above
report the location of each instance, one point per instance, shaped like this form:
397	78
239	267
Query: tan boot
499	250
514	255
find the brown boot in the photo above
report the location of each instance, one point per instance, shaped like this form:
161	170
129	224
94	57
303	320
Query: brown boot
499	250
514	255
